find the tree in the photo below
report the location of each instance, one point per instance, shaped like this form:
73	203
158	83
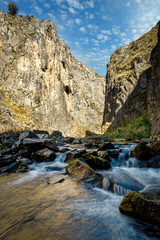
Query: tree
13	9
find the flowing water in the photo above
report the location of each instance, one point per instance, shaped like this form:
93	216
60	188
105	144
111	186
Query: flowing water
46	203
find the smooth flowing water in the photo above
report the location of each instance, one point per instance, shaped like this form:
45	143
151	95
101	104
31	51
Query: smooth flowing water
32	209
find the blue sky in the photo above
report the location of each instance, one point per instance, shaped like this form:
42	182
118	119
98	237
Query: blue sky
94	29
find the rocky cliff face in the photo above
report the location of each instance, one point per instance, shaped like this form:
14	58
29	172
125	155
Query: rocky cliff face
128	80
41	84
154	90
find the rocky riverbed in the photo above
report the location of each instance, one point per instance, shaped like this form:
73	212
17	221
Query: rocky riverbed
61	187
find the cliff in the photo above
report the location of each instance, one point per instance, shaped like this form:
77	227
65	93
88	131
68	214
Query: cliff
128	82
41	84
154	91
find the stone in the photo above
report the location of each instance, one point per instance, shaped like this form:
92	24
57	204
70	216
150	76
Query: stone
141	206
142	152
69	156
56	134
6	160
44	155
96	162
106	146
68	139
11	168
36	144
155	146
10	138
83	172
104	155
27	134
43	136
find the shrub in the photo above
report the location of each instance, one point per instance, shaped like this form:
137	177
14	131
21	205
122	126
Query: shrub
12	8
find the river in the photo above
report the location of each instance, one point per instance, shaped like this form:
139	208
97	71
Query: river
50	205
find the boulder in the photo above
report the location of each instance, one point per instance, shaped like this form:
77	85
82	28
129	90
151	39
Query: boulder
104	155
7	160
74	154
142	152
113	154
69	139
105	146
11	168
155	146
27	134
141	206
56	134
44	155
10	138
37	144
23	167
96	162
83	172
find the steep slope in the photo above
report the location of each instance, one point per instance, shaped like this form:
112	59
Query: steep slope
41	84
154	90
127	81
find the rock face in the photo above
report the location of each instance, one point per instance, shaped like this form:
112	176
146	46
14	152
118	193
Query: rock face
128	83
154	90
42	86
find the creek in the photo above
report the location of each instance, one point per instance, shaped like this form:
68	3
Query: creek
46	203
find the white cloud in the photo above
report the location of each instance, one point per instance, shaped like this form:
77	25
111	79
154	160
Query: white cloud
128	4
75	4
38	9
78	20
106	32
89	3
91	16
72	10
116	30
82	29
60	27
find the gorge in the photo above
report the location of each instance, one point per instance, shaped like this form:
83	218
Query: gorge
43	86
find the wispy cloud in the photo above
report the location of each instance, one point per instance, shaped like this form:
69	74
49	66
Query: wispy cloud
72	10
78	21
38	9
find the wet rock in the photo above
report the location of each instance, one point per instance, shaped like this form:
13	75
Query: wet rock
154	162
44	155
7	160
113	154
27	134
23	167
64	150
74	154
96	162
11	168
37	144
26	161
155	146
25	152
141	206
89	145
77	141
105	146
68	139
56	134
142	152
104	155
83	172
69	156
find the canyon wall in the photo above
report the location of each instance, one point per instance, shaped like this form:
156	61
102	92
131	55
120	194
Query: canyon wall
129	89
42	86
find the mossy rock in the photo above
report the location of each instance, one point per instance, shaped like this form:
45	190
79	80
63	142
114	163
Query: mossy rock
83	172
96	162
141	206
156	147
142	152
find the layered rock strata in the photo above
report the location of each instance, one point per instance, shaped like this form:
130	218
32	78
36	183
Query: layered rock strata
42	86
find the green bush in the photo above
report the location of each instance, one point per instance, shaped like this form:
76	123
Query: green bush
135	129
12	8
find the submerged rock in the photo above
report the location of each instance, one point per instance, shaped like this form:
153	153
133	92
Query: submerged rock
141	206
83	172
121	182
